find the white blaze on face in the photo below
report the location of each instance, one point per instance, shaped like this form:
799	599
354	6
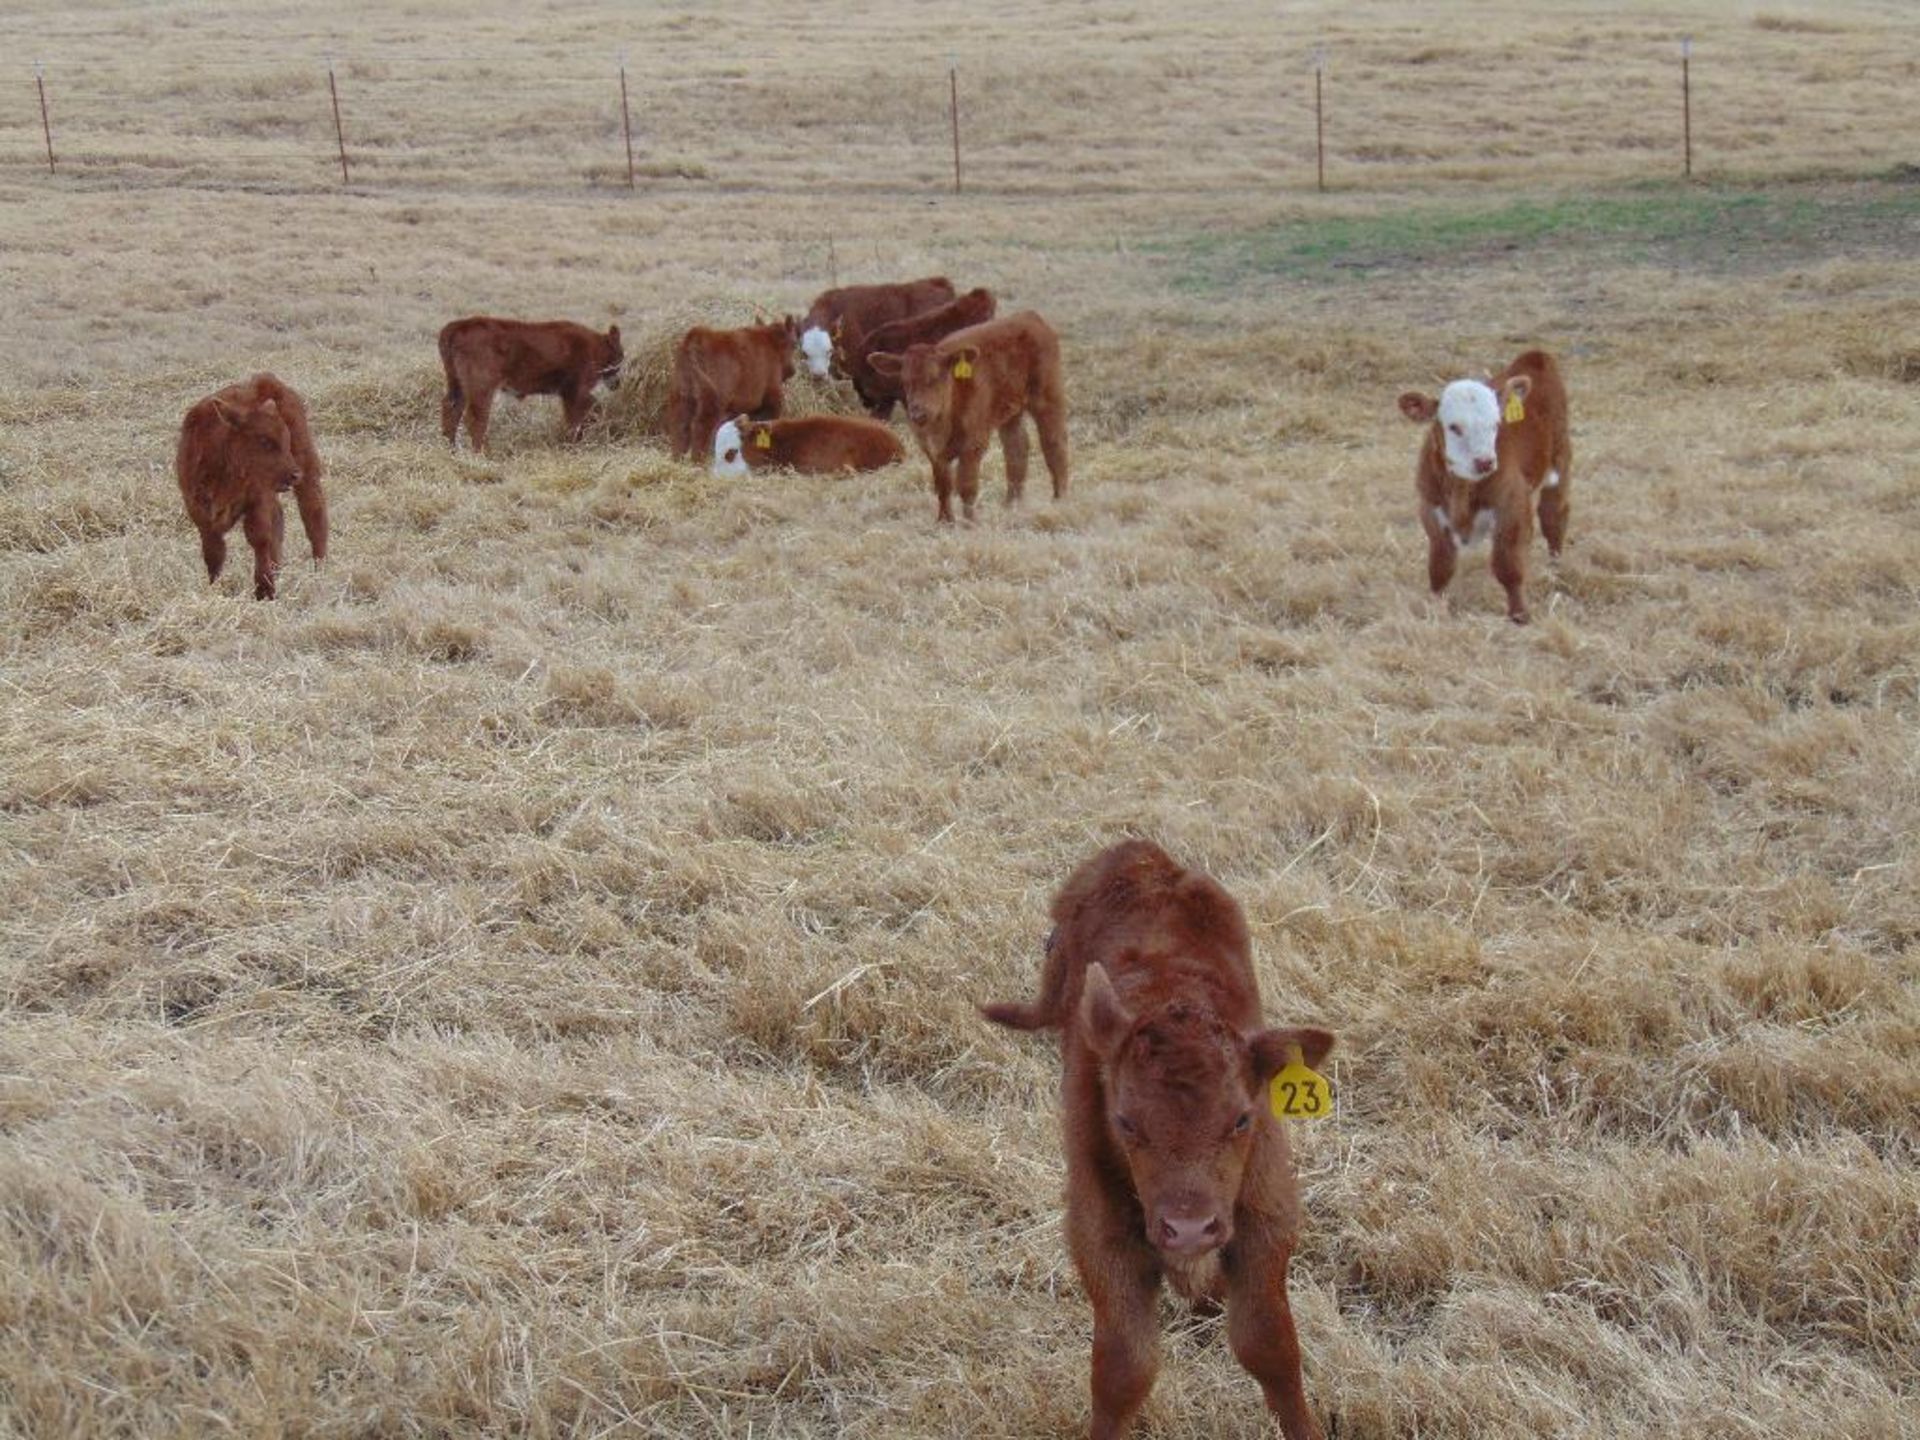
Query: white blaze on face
1470	422
817	346
729	453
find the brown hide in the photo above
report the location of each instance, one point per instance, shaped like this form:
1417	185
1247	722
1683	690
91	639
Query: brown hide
239	448
717	373
818	444
483	355
1455	512
851	313
977	383
1176	1168
976	307
863	308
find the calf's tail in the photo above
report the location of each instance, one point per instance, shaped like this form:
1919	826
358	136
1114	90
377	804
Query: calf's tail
1042	1013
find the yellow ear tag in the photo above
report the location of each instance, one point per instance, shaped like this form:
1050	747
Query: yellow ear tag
1516	409
763	439
1298	1093
963	369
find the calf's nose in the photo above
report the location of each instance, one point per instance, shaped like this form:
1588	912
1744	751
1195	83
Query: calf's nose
1189	1232
1482	466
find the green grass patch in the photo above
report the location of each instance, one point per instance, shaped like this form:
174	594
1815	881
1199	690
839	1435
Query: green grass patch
1672	223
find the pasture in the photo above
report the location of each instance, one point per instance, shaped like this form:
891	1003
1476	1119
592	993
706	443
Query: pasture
522	980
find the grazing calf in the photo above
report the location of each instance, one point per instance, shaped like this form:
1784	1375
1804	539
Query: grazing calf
717	373
839	320
1176	1168
975	382
239	449
812	444
878	391
1490	446
482	354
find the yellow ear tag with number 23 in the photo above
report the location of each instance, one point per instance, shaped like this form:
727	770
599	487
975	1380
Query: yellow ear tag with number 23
1299	1093
963	369
763	439
1516	409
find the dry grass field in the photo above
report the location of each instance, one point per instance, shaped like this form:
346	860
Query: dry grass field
522	980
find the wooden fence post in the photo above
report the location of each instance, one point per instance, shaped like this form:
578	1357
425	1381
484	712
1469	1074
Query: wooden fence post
1319	121
1686	101
953	109
46	125
626	118
339	135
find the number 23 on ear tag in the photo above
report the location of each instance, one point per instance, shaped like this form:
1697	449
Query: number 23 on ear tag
1516	410
1299	1093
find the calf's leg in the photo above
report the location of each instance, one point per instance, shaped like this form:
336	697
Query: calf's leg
312	501
213	550
943	486
1509	563
451	404
1013	450
1442	554
1555	506
1051	422
1260	1330
479	411
1122	1281
265	524
575	405
968	480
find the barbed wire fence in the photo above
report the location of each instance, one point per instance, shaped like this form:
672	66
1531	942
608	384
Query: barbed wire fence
368	85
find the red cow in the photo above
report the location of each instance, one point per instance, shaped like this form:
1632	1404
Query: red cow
811	444
1490	447
1177	1169
717	373
976	307
975	382
482	354
838	322
239	449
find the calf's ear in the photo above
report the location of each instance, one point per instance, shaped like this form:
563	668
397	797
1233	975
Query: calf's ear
228	415
1419	408
613	333
1272	1050
1518	387
1103	1018
885	362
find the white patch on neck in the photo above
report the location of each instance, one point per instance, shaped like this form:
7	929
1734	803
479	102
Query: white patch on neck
1553	479
817	346
1469	423
729	451
1483	523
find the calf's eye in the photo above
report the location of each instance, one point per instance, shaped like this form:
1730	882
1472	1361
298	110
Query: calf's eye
1126	1127
1244	1123
1454	428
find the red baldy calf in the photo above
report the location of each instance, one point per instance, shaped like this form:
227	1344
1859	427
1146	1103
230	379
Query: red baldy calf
975	382
811	444
976	307
239	449
483	354
717	373
1176	1168
837	323
1490	447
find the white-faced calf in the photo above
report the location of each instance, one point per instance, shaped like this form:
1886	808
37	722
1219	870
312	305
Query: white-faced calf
1491	447
811	444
